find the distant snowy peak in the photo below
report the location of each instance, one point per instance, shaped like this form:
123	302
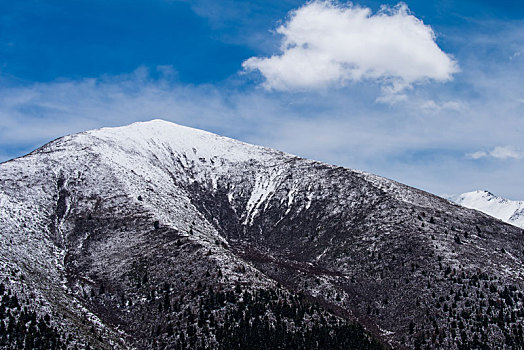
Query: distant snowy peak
506	210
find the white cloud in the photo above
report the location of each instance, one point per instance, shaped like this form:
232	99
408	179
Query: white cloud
506	152
391	98
436	107
477	155
515	55
499	152
326	43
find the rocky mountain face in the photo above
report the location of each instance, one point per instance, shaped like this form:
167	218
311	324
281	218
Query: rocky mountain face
503	209
158	236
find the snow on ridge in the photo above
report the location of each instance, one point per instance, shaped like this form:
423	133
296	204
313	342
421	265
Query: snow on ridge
193	143
155	148
503	209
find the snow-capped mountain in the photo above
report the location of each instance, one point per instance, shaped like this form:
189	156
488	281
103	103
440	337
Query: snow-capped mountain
506	210
155	235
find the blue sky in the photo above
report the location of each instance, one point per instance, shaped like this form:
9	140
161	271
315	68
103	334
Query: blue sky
427	93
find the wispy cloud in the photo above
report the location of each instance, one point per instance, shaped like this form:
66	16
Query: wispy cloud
499	152
325	43
515	55
477	155
433	106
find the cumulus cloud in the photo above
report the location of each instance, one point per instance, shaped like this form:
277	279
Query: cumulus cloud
326	43
499	152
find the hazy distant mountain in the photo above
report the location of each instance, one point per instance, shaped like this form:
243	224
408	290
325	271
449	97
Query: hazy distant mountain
506	210
159	236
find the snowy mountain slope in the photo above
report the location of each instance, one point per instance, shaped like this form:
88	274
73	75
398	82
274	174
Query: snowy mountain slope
95	172
155	235
506	210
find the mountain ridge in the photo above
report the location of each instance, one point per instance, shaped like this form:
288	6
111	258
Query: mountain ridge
151	234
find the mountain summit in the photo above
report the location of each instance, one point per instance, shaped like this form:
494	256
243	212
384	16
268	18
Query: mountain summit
503	209
159	236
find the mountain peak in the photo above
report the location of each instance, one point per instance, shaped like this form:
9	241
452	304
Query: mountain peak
161	139
152	129
503	209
